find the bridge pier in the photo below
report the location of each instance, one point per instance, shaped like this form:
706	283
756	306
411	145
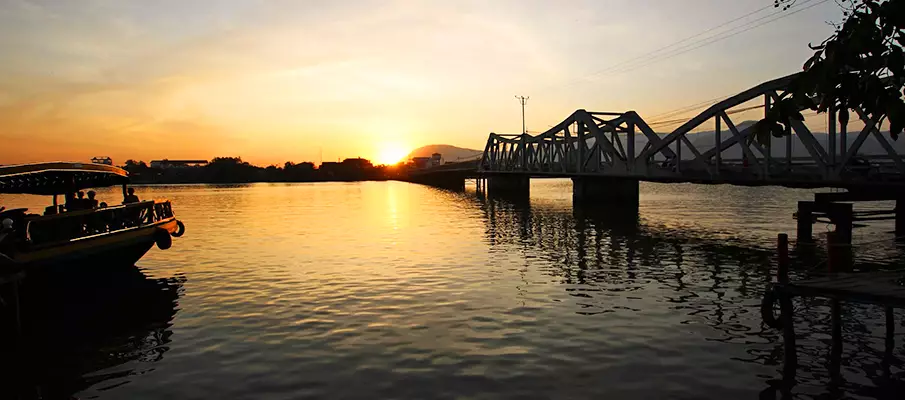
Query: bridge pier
805	216
840	214
610	191
516	186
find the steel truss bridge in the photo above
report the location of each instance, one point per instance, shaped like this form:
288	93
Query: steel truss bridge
623	145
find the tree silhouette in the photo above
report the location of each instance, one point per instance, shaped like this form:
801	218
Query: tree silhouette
860	67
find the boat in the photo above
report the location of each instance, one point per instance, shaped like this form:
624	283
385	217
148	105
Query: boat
77	233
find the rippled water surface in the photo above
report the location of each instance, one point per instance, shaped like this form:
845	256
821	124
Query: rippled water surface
389	289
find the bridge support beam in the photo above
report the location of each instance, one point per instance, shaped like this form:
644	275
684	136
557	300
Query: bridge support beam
611	191
516	186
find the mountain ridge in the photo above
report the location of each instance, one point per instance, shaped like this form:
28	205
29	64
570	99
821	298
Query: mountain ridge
450	153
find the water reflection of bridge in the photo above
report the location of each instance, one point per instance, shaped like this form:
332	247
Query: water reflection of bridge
601	260
74	327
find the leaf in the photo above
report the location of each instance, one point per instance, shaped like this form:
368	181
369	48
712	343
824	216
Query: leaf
896	114
778	130
810	63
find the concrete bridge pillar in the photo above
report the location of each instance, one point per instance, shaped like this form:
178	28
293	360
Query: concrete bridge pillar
609	191
509	186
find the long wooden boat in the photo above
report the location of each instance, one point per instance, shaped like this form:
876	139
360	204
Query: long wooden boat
72	234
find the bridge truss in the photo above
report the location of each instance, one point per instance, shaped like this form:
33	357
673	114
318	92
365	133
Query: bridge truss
624	145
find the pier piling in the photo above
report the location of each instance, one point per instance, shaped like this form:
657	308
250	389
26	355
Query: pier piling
782	245
805	221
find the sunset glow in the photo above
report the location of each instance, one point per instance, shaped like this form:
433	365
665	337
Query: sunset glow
279	81
391	153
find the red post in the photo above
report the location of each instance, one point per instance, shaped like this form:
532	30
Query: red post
839	253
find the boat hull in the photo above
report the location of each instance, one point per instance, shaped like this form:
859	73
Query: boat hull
120	248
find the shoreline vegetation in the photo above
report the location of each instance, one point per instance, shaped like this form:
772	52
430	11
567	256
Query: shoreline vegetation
234	170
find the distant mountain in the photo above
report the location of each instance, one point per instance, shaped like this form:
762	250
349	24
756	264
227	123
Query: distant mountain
705	141
450	153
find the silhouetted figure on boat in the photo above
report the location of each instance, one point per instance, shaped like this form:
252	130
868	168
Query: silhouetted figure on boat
91	202
131	197
74	203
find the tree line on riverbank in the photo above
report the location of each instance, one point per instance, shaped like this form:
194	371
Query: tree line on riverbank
235	170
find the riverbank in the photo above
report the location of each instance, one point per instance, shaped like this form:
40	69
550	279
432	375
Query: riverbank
225	170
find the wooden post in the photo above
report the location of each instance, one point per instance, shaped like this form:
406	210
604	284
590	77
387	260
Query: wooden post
717	140
805	221
842	216
679	154
839	253
782	244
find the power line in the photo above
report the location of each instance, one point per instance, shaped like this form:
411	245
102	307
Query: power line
702	104
717	38
740	110
680	41
631	64
692	107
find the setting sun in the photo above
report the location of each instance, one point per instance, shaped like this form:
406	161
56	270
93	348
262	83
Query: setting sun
391	153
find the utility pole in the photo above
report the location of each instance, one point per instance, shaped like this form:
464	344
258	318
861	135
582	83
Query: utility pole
523	100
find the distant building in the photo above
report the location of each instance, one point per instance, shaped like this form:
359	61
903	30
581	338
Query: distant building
329	168
166	164
421	162
357	163
302	166
102	160
436	159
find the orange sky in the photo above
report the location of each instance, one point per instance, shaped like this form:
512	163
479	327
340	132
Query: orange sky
272	81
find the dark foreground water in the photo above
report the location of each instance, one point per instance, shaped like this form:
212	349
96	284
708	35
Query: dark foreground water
393	290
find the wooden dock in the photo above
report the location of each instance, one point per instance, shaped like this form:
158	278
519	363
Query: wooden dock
884	289
878	288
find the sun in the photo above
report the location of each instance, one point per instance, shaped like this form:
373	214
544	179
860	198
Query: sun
391	153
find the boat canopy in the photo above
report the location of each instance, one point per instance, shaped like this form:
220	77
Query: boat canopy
58	177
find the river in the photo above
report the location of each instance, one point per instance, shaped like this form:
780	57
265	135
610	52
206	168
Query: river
390	289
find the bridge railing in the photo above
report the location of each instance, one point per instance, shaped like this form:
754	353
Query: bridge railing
624	145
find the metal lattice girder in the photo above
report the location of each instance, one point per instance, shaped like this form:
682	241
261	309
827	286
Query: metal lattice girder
622	144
